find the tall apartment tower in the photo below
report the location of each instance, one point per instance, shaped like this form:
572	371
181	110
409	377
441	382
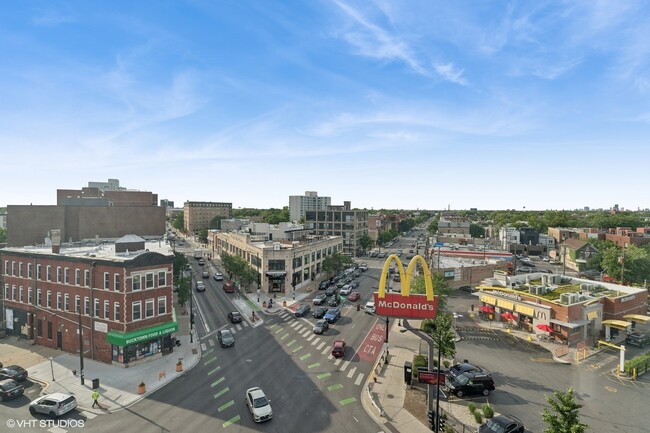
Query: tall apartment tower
299	204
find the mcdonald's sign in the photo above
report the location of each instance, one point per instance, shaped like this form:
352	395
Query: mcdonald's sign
404	304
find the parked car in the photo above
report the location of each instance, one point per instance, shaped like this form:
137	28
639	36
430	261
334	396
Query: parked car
258	405
13	372
638	340
468	289
53	405
470	383
218	276
465	367
354	296
381	255
338	349
229	287
502	424
334	301
346	290
321	326
524	270
234	317
200	287
354	284
320	299
319	312
225	337
331	290
332	315
9	389
302	310
370	307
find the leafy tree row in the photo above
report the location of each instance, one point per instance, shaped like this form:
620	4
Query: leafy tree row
236	266
335	263
634	269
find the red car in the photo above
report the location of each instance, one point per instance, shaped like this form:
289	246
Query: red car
338	349
229	287
354	297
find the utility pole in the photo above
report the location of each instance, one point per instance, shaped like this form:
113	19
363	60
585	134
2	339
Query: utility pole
81	344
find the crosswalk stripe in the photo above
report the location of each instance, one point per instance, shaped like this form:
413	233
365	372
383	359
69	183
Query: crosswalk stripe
295	325
351	372
320	346
345	365
338	361
315	342
204	347
245	324
211	342
284	315
311	337
89	415
359	378
325	351
233	330
299	328
239	328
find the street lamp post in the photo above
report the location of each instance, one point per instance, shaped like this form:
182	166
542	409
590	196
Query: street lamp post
81	346
438	382
387	323
52	368
191	309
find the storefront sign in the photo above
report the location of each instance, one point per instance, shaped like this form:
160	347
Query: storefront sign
101	327
404	304
627	298
127	338
509	295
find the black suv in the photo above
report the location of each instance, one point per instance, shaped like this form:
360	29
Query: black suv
302	310
465	367
470	383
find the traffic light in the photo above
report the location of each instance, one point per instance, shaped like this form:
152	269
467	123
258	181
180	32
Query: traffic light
441	424
432	419
192	318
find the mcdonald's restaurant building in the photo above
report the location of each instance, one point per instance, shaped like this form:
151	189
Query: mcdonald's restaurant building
591	312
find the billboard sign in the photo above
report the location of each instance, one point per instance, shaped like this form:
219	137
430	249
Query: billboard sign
405	305
431	377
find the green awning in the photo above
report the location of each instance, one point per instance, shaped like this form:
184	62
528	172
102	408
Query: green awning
119	338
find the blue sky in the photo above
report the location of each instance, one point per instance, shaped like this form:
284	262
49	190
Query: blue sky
388	104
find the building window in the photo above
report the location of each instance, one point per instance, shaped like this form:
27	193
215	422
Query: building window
38	297
96	308
21	294
107	280
59	274
116	312
39	275
87	278
39	328
162	280
77	277
66	302
20	269
136	310
107	309
162	305
66	275
86	305
59	304
116	282
6	291
49	299
29	295
136	283
49	330
149	308
13	268
13	292
6	267
276	265
77	304
48	273
149	280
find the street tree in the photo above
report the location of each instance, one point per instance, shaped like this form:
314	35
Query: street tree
365	242
565	415
180	264
179	222
336	262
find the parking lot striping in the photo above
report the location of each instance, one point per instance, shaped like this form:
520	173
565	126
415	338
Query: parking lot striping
296	349
284	336
217	382
334	387
226	405
347	401
214	358
277	331
232	420
324	375
351	372
222	392
359	379
214	370
303	357
325	350
314	365
291	342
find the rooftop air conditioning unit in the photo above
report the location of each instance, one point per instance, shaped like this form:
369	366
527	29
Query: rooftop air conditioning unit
569	298
557	279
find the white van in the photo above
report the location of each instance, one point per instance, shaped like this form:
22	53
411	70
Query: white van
370	307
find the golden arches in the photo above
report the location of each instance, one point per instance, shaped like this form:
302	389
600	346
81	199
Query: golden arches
405	279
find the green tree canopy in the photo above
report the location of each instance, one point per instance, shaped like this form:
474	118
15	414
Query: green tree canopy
215	223
365	242
565	416
335	263
179	222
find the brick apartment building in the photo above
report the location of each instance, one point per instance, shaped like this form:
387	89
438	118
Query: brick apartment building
198	214
119	294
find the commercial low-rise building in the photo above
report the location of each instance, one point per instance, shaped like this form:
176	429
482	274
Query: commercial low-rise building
119	295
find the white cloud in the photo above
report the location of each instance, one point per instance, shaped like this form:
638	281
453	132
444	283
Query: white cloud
450	73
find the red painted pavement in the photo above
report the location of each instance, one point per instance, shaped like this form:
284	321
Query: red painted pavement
372	345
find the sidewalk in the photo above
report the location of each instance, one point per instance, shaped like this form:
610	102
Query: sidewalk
118	386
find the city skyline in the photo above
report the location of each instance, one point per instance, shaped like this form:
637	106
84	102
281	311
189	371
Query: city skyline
421	106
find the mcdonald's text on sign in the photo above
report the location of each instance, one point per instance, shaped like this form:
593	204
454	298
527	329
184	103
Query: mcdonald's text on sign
408	307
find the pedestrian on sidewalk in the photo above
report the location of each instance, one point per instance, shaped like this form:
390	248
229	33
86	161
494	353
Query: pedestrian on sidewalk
95	396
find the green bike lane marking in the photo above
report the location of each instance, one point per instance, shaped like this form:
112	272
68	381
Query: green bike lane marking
289	344
207	353
217	382
226	405
222	392
210	360
334	387
324	375
277	331
232	420
252	304
303	357
314	365
284	336
214	370
347	401
275	325
296	349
